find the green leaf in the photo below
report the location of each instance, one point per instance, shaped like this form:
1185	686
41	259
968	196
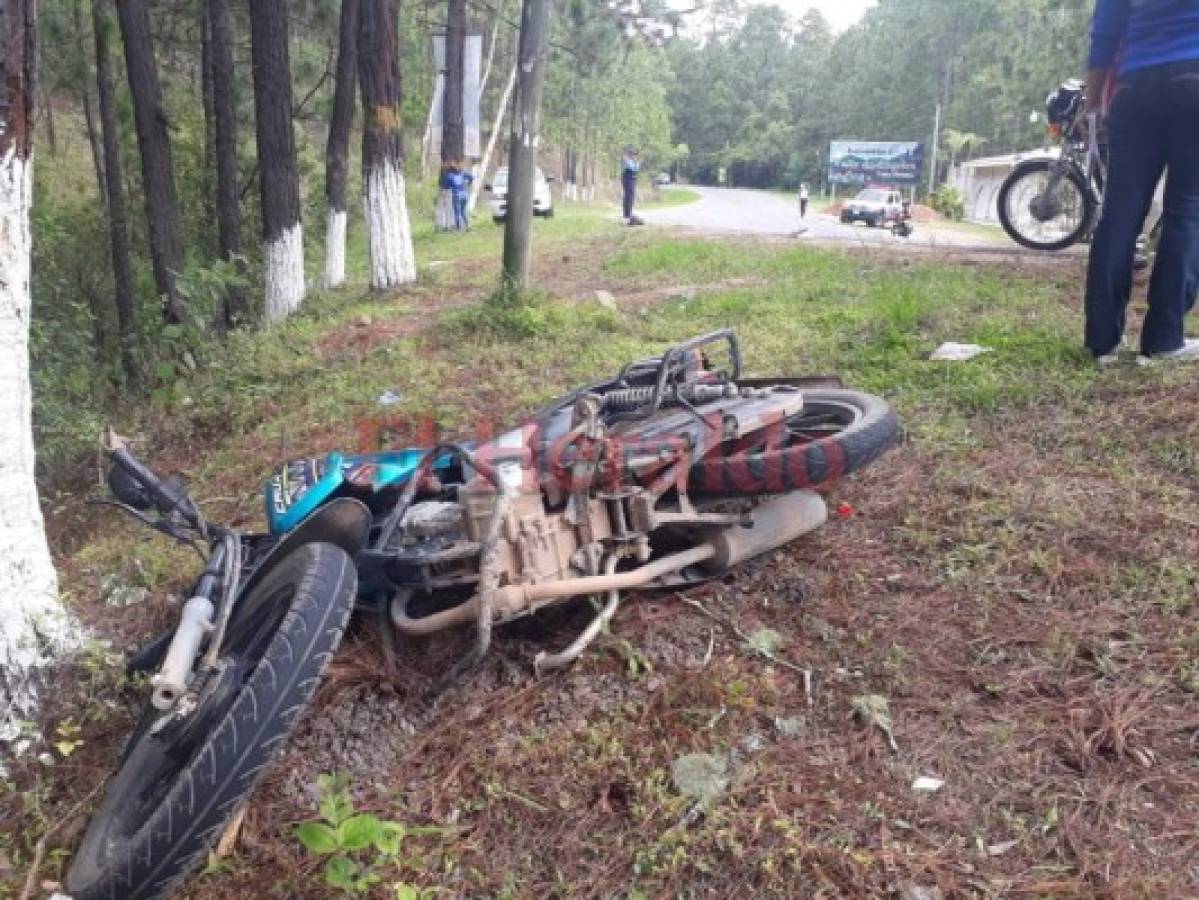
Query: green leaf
406	892
358	832
390	836
317	837
339	873
336	808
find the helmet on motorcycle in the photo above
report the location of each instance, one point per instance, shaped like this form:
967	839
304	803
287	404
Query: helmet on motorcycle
1063	102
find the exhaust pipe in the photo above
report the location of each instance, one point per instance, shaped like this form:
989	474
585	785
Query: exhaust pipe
517	598
773	524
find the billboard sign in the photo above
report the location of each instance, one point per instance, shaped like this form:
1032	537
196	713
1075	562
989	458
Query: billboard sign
875	162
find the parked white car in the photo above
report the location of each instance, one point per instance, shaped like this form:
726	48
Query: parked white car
543	200
874	206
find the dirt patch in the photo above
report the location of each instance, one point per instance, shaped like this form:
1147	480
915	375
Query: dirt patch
364	335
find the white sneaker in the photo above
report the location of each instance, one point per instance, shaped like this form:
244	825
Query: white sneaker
1188	352
1112	357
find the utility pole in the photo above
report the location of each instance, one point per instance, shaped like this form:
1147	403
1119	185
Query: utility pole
932	169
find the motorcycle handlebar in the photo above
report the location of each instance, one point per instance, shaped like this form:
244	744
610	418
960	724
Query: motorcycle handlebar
166	497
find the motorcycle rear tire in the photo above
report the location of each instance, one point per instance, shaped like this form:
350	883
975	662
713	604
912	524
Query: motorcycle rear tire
291	622
1036	167
868	427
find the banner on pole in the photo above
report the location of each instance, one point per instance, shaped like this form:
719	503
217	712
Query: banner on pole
471	94
875	162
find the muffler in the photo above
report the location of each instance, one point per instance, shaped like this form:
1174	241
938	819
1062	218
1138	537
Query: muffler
774	523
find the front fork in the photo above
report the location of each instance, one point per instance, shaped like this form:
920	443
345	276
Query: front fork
195	623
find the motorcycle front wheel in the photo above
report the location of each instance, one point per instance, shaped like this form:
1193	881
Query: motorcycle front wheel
181	778
1043	207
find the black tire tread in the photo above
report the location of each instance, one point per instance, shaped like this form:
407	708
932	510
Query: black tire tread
1041	165
176	837
819	463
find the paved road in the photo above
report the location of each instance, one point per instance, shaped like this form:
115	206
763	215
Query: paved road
741	211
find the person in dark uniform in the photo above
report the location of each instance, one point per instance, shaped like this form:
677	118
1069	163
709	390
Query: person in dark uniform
629	167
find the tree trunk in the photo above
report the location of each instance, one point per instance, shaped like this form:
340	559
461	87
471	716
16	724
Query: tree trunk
453	128
522	152
206	95
337	149
491	45
85	100
496	127
51	131
224	113
426	143
33	623
278	179
154	145
391	254
93	134
114	187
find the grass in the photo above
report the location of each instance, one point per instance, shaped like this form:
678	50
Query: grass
1018	579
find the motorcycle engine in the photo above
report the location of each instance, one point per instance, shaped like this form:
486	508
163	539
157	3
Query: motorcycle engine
432	519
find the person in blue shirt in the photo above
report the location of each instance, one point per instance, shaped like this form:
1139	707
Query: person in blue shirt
1149	50
629	167
457	182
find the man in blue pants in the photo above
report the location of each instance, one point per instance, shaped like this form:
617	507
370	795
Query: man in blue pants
1151	49
629	167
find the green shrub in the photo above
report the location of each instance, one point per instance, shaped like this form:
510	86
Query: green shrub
947	200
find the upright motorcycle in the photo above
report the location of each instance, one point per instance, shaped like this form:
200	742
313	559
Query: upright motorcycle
667	474
1050	202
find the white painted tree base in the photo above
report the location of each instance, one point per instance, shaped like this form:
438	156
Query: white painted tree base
393	261
570	191
284	263
443	211
335	248
34	626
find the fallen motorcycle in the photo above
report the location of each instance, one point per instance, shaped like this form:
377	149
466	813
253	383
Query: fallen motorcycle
670	473
902	227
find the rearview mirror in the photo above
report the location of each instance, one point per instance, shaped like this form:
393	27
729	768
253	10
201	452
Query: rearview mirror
487	187
551	178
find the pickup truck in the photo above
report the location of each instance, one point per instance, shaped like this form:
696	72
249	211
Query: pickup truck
874	206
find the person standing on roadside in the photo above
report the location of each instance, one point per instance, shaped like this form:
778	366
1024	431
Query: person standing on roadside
457	181
629	167
803	200
1150	49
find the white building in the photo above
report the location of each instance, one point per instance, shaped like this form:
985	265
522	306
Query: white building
978	181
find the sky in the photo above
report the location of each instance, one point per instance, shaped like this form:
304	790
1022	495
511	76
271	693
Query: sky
840	14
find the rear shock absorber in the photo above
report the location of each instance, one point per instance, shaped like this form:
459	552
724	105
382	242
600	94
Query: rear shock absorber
630	399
